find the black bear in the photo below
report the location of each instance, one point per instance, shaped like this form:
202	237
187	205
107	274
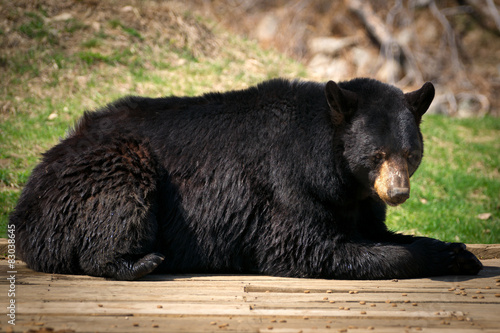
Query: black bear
287	178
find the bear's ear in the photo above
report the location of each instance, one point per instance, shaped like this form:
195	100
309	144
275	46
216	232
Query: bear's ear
342	102
420	100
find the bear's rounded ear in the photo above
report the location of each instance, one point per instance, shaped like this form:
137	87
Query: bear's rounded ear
420	100
342	102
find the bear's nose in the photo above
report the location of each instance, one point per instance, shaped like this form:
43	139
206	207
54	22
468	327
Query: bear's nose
399	195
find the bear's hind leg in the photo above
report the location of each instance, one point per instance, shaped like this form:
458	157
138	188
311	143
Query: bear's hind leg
112	188
119	220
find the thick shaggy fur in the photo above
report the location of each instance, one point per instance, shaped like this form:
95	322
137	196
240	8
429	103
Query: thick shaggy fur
276	179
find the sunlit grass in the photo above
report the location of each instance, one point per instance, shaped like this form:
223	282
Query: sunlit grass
455	193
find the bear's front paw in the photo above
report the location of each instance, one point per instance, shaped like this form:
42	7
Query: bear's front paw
462	262
441	258
466	263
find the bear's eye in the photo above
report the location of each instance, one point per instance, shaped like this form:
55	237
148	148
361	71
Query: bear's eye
377	157
412	155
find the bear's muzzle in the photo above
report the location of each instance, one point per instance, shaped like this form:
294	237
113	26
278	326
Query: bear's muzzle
393	181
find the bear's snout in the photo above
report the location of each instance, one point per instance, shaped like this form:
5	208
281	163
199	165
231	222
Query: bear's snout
393	181
399	194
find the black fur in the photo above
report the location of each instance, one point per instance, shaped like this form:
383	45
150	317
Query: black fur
275	179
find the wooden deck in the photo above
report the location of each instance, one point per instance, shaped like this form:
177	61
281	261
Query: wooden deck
250	303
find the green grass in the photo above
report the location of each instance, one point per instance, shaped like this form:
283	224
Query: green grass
48	85
116	23
36	28
457	181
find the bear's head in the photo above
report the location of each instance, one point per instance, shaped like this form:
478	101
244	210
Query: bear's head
380	133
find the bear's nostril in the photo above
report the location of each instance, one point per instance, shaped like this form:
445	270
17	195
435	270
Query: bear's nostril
399	193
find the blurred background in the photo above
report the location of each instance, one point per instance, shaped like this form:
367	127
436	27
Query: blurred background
454	43
60	58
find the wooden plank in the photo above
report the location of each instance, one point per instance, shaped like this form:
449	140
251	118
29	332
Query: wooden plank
245	324
251	303
139	323
55	294
485	251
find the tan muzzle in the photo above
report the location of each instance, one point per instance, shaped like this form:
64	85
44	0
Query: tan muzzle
393	182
